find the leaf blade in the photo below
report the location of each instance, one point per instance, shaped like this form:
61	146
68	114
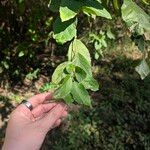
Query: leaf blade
64	31
80	94
143	69
64	89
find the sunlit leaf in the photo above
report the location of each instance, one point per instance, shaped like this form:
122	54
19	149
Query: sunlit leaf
21	54
69	9
90	83
64	31
95	8
76	47
80	74
135	17
59	74
68	99
80	94
143	69
64	89
81	62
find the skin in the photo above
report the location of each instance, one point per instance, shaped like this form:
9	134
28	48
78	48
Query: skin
27	129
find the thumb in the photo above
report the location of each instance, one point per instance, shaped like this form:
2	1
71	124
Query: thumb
53	115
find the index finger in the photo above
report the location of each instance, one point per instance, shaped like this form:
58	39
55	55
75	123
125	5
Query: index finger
40	98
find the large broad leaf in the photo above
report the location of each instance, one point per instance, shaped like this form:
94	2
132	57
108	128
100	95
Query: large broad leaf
68	99
80	94
135	17
59	74
90	83
69	9
143	69
95	8
64	31
54	5
78	47
64	89
81	62
70	68
80	74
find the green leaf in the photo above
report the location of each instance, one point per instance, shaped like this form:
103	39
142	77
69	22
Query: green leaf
64	89
59	74
80	94
96	55
5	64
103	41
69	99
95	8
110	35
143	69
76	47
135	17
21	54
81	62
90	83
64	31
69	9
1	69
80	74
48	86
54	5
147	2
70	68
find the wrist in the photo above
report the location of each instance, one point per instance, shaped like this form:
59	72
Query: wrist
23	143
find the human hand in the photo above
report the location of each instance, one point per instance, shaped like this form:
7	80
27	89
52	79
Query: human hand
27	129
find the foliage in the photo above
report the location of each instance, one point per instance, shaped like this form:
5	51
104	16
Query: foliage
65	30
22	28
32	75
100	42
120	120
65	37
30	24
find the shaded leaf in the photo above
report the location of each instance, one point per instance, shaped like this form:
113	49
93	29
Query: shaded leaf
54	5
